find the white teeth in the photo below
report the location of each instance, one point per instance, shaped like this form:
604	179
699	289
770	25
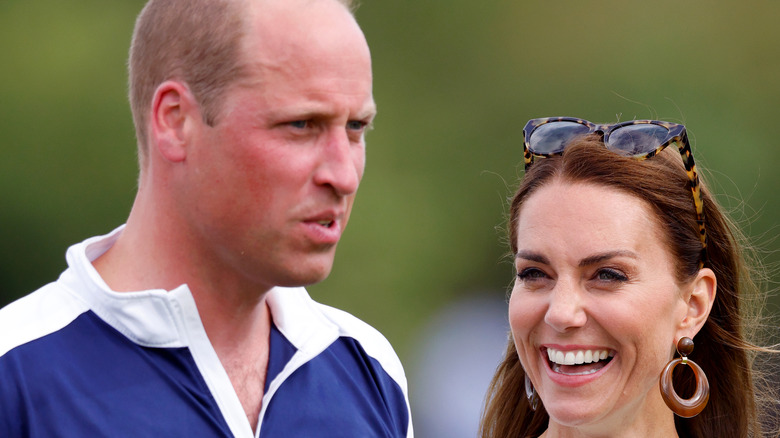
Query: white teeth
577	357
325	223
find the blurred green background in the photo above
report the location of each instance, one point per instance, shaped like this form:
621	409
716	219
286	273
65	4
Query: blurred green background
455	82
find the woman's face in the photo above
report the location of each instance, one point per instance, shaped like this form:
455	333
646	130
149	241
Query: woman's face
595	310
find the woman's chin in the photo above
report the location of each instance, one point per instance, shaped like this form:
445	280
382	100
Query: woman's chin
575	413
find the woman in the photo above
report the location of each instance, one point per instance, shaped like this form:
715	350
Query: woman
620	254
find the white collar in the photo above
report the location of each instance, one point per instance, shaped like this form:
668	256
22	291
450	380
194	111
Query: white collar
160	318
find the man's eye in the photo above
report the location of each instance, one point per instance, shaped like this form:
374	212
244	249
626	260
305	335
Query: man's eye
356	125
299	124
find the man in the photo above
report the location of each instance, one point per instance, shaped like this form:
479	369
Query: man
190	320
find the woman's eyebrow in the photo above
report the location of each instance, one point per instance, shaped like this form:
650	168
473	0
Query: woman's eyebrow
532	256
598	258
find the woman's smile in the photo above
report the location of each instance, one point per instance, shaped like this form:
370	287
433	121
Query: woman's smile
578	362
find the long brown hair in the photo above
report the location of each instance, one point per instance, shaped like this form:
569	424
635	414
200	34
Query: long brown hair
722	347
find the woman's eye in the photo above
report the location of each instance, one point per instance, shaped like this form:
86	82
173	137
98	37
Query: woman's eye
530	274
608	274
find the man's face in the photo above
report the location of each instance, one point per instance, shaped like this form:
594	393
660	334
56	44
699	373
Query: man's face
270	186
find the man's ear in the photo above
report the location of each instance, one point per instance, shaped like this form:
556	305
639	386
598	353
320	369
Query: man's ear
174	109
699	298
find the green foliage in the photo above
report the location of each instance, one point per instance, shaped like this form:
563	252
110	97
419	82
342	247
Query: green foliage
455	81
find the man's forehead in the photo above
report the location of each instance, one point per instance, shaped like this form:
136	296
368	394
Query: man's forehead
285	30
286	12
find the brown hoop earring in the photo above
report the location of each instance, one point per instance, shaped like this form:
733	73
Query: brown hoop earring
530	394
694	405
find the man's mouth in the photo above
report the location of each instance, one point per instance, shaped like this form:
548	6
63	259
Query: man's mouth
578	362
323	229
326	223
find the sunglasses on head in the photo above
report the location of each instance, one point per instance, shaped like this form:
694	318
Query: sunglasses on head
640	139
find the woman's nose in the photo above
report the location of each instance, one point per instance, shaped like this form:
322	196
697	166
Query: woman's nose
565	308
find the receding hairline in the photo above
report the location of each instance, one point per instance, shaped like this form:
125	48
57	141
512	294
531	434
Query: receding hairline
147	70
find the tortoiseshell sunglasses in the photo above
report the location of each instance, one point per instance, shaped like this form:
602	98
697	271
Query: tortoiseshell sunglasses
640	139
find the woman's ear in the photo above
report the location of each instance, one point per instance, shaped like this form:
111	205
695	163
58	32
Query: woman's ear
699	299
174	108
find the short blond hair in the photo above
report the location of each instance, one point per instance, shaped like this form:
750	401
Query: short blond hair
195	41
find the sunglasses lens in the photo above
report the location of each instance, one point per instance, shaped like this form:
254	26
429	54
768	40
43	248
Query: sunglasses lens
637	139
552	138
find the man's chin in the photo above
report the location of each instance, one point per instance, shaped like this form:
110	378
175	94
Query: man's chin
306	275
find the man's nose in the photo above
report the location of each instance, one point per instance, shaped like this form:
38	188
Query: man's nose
342	163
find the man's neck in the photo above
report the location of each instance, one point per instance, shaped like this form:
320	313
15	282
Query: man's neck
234	314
